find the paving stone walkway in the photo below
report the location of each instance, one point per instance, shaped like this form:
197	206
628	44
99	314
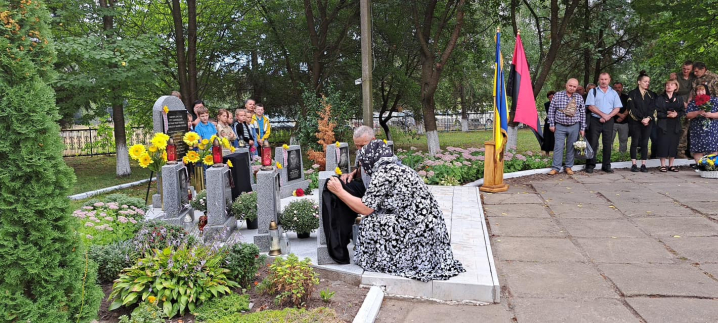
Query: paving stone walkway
622	247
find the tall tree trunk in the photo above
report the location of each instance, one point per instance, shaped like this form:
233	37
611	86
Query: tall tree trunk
181	59
192	49
586	51
597	68
464	108
118	117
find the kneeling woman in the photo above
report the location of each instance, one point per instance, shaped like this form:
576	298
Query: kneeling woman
404	233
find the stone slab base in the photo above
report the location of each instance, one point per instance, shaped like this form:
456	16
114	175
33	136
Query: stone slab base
220	232
156	201
287	190
179	220
323	257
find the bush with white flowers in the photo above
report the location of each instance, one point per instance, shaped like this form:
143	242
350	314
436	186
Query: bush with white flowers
301	216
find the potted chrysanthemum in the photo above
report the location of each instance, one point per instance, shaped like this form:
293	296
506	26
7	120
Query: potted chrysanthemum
301	216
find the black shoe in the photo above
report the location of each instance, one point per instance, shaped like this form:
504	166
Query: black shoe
644	169
607	169
634	168
589	170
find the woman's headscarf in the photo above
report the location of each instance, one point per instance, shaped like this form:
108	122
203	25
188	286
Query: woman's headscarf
375	154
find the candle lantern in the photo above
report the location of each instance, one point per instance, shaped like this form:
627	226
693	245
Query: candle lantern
266	156
355	231
284	244
217	153
242	144
274	250
171	152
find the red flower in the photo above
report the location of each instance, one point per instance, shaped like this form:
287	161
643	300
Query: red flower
702	99
300	192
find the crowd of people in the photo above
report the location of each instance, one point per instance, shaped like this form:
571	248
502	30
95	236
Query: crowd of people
679	122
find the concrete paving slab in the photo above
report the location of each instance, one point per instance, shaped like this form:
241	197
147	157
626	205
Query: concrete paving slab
625	250
660	279
601	178
506	198
517	227
698	249
555	280
406	311
707	208
517	210
675	310
711	269
633	209
689	194
572	311
573	198
585	211
598	228
535	249
643	196
683	226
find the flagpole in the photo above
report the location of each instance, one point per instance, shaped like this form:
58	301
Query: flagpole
494	161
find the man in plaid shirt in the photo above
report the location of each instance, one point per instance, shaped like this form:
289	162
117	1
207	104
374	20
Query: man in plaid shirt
566	118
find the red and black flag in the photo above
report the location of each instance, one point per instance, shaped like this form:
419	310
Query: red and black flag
523	102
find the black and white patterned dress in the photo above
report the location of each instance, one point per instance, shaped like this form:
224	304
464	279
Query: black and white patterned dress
406	235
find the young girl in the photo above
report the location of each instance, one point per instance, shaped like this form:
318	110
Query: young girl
242	129
224	129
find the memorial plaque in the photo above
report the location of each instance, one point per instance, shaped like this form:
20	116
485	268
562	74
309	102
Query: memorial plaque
294	165
176	128
344	159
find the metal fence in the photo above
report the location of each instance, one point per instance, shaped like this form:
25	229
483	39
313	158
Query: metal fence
91	142
445	122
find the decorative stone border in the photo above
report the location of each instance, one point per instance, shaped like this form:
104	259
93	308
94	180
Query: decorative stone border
370	308
85	195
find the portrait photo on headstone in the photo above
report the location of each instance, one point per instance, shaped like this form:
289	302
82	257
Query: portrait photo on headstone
344	159
294	165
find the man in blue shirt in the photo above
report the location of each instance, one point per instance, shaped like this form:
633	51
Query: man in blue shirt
604	103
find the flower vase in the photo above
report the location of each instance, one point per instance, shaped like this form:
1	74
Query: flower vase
302	235
252	224
710	174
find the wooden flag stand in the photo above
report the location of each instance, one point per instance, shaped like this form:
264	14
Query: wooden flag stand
493	171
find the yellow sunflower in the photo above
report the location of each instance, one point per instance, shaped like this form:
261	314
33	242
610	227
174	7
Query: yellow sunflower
191	138
153	149
338	171
164	156
136	151
192	156
145	160
225	143
279	166
185	160
285	146
205	141
160	140
229	163
208	160
202	146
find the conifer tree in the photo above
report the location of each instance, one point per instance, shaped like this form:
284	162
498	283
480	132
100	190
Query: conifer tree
45	275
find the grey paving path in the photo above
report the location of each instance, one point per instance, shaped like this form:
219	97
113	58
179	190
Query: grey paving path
622	247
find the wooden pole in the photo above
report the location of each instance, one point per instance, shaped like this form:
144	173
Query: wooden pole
366	62
493	171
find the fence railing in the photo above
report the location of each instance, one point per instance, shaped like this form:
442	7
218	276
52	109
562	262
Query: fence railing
98	141
445	122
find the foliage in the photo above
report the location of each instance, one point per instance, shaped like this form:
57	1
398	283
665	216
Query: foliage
326	295
245	206
325	134
300	216
147	312
105	223
243	261
180	279
291	280
218	308
112	258
160	235
312	175
104	140
124	199
287	315
199	202
201	149
46	275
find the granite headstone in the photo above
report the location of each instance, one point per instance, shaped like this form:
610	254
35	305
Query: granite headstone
219	198
175	194
292	174
338	157
268	206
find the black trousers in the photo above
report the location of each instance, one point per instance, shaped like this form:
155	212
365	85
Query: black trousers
605	130
639	137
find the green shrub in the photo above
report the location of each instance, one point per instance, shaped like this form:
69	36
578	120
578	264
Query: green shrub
160	235
287	315
245	206
326	295
45	275
124	199
180	279
105	223
199	202
145	313
301	216
219	308
291	280
243	261
112	258
312	174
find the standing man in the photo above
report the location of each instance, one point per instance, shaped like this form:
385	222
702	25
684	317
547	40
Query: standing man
620	121
567	118
604	103
685	88
706	78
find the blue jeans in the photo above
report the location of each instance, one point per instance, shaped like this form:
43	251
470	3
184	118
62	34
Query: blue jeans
565	135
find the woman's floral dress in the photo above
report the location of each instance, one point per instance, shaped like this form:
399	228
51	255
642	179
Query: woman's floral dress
703	139
406	235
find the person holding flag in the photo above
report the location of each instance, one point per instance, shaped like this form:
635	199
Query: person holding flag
567	118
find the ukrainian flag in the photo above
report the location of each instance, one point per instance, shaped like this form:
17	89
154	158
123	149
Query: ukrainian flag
500	107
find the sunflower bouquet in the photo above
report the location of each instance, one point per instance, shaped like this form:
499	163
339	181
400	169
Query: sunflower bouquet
203	151
154	156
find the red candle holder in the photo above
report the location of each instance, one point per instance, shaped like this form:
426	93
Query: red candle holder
171	152
266	156
217	154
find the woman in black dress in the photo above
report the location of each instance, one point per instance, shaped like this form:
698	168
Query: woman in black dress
548	137
669	110
641	110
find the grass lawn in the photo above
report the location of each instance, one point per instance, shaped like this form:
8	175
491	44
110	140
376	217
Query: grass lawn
99	172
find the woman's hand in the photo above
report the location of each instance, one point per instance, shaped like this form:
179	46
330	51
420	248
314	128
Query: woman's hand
645	121
335	186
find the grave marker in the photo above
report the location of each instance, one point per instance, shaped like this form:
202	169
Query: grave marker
338	157
175	187
268	206
219	198
292	174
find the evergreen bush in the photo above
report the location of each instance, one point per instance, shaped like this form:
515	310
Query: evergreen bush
243	261
46	273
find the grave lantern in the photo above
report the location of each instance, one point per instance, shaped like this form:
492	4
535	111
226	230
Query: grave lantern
242	144
171	152
266	156
217	153
284	244
274	250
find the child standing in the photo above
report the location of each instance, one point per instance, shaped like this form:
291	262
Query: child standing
224	129
204	128
261	125
244	132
